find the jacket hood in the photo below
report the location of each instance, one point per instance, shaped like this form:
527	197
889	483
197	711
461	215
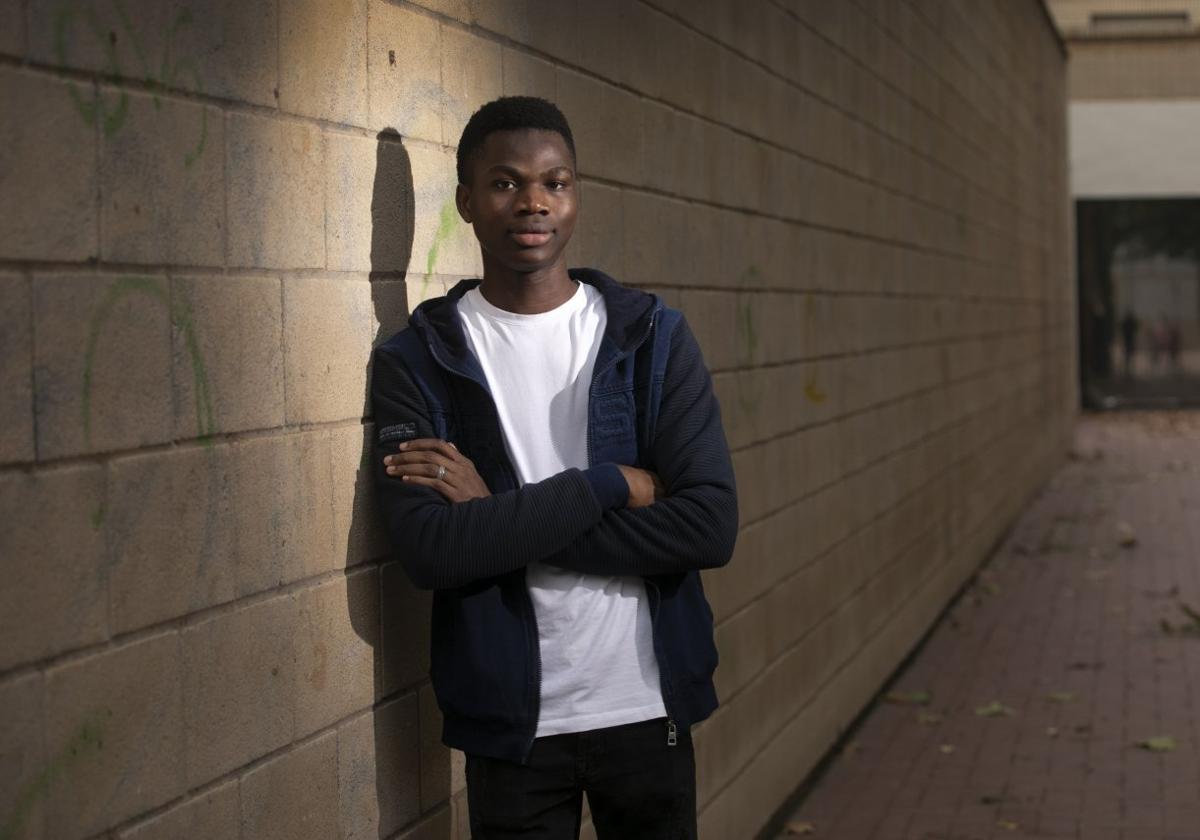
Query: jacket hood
629	313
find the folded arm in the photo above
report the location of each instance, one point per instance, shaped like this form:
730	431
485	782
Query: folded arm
444	544
694	525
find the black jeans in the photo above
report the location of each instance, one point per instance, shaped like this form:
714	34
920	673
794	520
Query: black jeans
638	786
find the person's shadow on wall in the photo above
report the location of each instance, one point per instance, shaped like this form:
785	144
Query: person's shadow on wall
411	768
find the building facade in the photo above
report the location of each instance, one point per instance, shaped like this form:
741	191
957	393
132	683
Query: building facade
213	210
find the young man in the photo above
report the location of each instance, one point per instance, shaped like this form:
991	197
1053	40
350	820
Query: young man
550	460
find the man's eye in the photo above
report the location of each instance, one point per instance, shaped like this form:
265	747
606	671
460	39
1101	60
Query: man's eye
503	185
557	185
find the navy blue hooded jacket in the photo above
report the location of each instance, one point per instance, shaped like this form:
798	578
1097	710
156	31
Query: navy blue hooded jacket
651	405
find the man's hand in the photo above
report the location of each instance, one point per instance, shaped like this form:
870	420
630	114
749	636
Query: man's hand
644	486
438	464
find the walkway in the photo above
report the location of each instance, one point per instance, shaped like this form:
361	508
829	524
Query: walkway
1060	695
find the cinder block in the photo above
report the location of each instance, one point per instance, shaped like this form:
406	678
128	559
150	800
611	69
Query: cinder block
551	28
16	370
442	242
102	364
170	543
323	59
114	722
52	544
460	10
337	636
282	509
358	534
162	183
295	795
392	301
212	814
610	42
275	202
227	343
198	526
54	143
12	29
599	231
368	204
327	346
607	124
654	239
228	51
405	75
405	622
378	769
743	654
472	74
525	75
23	764
436	826
435	756
238	687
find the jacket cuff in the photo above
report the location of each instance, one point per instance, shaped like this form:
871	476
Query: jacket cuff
610	487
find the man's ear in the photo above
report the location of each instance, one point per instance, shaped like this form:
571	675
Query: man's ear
462	198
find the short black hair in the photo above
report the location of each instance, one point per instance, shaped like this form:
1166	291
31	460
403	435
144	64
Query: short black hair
510	113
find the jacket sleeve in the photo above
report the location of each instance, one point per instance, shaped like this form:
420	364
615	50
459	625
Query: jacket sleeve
444	545
695	525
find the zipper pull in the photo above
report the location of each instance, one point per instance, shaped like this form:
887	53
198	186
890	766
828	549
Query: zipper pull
672	735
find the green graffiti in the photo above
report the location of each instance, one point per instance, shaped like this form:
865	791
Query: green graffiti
97	516
747	333
164	77
813	392
91	110
181	317
447	224
87	739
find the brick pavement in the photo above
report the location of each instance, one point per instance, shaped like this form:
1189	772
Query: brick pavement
1064	627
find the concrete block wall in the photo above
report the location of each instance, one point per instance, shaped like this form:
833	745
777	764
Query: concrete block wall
211	212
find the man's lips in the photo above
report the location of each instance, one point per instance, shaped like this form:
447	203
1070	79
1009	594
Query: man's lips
531	238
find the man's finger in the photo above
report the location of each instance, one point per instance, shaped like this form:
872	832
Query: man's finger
427	456
431	445
439	471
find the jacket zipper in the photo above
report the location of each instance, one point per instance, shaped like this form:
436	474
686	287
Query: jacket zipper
532	613
663	680
531	620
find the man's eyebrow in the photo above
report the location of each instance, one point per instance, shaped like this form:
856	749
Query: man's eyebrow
510	170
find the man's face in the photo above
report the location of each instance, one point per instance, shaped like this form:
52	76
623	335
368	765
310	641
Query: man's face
522	198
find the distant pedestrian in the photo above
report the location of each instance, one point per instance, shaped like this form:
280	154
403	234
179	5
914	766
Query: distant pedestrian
1174	344
1158	340
1129	330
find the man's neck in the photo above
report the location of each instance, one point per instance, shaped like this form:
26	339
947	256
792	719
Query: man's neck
527	293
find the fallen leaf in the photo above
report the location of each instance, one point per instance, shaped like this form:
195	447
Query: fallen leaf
1061	696
1007	824
989	799
1052	731
912	698
1082	728
995	709
1189	628
946	749
1126	536
929	718
1158	743
797	827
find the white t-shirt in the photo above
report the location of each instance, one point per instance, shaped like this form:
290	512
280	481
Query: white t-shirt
598	663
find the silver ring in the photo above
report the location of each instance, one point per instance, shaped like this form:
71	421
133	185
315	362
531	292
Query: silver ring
441	473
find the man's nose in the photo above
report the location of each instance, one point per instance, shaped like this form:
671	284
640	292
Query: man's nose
530	200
